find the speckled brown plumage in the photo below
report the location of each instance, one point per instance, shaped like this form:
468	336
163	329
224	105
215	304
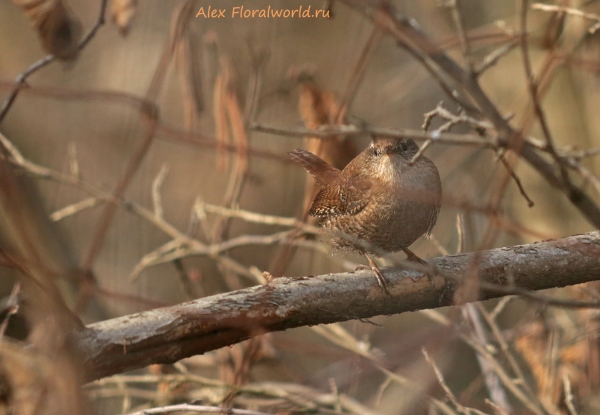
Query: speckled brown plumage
379	197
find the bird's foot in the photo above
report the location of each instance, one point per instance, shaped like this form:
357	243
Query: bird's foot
412	257
381	280
378	274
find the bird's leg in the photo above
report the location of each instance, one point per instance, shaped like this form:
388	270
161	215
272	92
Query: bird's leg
378	274
412	257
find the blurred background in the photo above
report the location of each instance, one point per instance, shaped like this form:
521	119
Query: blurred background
165	106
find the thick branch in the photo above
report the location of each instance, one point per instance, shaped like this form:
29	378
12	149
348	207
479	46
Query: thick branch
169	334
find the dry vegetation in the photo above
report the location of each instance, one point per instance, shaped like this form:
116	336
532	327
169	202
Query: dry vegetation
149	215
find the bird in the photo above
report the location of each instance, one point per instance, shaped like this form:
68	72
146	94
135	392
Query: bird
382	201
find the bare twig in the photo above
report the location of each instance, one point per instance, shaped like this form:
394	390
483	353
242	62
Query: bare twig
498	409
528	399
177	249
357	75
438	374
75	208
569	395
150	116
20	81
339	336
331	131
102	195
500	306
514	176
184	407
481	127
462	34
460	230
259	217
438	245
10	308
73	163
275	391
533	90
573	12
156	197
504	345
493	57
494	386
423	49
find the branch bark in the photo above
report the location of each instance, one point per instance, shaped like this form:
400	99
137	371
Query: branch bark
169	334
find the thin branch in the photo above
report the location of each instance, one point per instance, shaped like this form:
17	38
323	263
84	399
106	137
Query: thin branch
493	57
569	395
411	38
156	186
308	399
20	81
493	383
438	374
10	308
99	194
532	83
331	131
150	118
573	12
254	217
514	176
357	75
462	34
184	407
163	132
504	344
527	398
75	208
339	336
73	162
500	307
496	408
178	249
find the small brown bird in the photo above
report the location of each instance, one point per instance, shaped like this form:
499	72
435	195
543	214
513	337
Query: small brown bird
379	198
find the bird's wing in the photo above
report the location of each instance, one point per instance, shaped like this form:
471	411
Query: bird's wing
347	196
326	202
323	173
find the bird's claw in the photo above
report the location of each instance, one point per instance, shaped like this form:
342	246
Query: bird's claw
412	257
381	280
378	275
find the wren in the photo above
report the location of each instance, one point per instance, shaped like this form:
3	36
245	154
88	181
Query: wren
379	198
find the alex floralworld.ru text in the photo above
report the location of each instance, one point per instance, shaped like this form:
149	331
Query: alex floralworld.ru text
240	11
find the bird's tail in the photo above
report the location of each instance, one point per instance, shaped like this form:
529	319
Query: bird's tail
318	168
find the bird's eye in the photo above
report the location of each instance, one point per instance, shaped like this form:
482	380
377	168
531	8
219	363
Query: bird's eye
377	151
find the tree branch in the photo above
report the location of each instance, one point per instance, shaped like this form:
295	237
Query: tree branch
169	334
417	43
